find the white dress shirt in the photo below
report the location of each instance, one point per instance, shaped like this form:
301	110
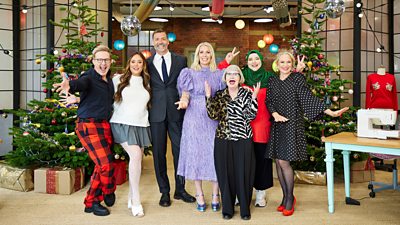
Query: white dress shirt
157	61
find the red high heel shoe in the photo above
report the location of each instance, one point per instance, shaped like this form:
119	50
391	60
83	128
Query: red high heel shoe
280	208
286	212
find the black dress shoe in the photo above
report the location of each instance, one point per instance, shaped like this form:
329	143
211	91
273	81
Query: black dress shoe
97	209
246	217
184	196
165	200
226	216
109	199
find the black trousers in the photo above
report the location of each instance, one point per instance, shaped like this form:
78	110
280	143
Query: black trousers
235	165
263	176
159	143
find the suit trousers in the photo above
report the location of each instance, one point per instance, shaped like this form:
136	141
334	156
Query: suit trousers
159	141
263	178
235	166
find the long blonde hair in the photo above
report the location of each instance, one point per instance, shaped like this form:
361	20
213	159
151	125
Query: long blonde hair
196	62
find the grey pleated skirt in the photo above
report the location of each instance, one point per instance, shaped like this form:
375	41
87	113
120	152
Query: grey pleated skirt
133	135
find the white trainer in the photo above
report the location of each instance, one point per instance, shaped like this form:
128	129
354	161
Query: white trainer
260	199
137	211
236	201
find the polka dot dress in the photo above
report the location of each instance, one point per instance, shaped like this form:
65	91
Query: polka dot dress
292	99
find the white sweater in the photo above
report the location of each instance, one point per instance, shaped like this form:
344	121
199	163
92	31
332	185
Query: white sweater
132	110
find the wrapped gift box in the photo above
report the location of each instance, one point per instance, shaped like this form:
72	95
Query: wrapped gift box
15	178
361	172
310	177
120	171
59	180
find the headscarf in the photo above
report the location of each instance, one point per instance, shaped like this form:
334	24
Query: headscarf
252	77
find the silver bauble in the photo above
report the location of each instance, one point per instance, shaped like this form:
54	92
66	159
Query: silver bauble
131	26
334	8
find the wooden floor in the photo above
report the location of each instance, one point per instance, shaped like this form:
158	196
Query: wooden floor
35	208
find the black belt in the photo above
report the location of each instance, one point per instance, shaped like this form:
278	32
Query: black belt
91	120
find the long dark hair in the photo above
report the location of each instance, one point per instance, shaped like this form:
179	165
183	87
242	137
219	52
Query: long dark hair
125	78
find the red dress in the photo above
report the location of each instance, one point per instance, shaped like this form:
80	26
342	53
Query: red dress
261	124
381	92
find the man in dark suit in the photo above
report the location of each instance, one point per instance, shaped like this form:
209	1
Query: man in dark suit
164	68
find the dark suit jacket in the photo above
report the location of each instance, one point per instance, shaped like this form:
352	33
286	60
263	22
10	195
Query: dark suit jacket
164	96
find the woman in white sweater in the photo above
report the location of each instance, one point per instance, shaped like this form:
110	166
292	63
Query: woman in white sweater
130	123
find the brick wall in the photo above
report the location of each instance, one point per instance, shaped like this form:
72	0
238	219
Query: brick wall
190	32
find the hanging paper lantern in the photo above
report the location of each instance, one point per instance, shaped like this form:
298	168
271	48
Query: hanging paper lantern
146	53
334	8
131	25
240	24
261	44
274	48
171	36
351	91
217	9
119	45
268	39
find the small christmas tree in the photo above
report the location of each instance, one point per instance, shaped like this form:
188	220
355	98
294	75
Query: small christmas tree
319	76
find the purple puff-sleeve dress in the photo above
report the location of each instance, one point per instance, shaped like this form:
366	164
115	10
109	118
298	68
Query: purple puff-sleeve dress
196	157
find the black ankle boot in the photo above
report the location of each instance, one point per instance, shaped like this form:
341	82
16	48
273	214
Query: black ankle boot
97	209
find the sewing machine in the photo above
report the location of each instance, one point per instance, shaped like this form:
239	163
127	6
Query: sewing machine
366	118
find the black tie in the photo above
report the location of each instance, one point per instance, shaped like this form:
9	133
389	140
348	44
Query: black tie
164	70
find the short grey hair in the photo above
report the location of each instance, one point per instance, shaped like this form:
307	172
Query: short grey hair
233	68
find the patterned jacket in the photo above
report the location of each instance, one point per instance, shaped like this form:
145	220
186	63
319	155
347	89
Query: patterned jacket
234	115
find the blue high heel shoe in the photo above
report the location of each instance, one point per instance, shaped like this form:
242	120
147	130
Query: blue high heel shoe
201	207
215	206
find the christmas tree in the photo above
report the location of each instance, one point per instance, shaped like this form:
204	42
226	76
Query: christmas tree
325	82
45	133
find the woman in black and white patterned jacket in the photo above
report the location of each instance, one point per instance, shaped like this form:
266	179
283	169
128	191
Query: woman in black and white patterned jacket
234	108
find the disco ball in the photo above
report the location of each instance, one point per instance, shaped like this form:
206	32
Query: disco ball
334	8
131	26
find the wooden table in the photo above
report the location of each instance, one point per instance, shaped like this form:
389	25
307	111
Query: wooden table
348	142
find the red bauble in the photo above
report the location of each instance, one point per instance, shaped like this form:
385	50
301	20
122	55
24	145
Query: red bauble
102	34
53	121
320	56
64	50
45	90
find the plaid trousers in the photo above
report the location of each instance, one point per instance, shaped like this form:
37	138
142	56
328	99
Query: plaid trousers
96	137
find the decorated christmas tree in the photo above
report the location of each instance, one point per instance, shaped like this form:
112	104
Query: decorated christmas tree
44	134
326	83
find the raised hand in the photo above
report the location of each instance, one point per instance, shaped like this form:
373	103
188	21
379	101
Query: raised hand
207	89
231	55
300	63
68	99
256	90
62	87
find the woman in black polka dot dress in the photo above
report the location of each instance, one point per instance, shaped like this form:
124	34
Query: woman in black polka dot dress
290	100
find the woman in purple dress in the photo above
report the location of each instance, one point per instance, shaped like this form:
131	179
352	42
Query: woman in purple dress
196	159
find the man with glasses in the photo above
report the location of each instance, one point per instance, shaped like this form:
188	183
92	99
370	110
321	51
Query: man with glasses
164	69
93	129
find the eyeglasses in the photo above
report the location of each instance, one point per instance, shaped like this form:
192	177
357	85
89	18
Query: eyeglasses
233	74
102	60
